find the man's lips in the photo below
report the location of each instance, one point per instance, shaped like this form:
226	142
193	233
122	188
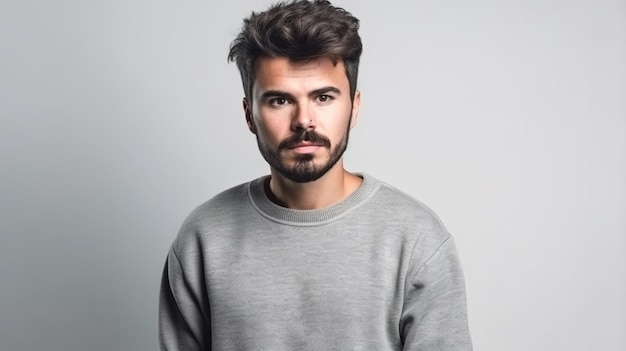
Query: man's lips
305	148
304	143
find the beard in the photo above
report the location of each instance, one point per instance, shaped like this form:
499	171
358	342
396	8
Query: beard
304	170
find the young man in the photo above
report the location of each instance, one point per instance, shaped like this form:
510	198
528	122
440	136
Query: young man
311	257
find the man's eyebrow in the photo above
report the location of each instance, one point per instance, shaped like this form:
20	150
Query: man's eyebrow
279	93
324	90
276	93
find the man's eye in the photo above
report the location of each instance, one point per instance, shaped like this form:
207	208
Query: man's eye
278	101
324	98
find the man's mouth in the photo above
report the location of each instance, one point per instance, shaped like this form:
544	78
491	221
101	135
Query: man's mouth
306	141
305	147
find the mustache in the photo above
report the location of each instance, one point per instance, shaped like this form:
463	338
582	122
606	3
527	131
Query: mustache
304	136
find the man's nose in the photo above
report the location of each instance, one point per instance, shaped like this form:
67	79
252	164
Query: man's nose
304	117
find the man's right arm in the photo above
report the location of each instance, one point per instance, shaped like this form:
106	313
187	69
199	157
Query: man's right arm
184	316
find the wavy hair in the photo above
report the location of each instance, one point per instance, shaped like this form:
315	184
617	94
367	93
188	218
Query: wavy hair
300	30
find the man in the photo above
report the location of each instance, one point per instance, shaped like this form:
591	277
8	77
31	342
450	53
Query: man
311	257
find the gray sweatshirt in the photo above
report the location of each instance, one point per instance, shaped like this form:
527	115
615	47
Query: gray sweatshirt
377	271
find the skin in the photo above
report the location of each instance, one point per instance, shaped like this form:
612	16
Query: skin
289	98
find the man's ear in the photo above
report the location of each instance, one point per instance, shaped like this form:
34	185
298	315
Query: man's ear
247	110
356	103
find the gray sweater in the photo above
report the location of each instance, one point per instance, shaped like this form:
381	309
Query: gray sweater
377	271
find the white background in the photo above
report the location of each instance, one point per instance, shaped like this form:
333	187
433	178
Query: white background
508	118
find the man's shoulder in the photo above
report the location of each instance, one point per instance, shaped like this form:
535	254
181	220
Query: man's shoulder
226	199
405	215
409	218
404	204
221	211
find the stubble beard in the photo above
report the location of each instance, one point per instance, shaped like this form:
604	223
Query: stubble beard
304	169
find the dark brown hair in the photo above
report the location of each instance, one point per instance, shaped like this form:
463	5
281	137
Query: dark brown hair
300	30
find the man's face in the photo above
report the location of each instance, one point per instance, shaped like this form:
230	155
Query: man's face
301	114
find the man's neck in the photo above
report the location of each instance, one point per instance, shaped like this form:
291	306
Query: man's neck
331	188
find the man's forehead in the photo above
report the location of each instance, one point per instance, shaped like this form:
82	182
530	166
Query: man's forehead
278	70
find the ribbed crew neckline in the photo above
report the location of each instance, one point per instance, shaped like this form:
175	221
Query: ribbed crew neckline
268	209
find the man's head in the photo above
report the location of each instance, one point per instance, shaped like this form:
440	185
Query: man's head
299	63
299	30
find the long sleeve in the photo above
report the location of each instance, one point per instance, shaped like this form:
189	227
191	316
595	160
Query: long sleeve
434	316
184	318
377	271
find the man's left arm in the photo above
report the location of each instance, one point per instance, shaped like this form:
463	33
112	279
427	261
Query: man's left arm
434	316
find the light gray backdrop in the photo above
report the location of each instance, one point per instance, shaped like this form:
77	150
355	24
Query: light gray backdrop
506	117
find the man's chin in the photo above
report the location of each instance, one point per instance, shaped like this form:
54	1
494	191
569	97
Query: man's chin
303	175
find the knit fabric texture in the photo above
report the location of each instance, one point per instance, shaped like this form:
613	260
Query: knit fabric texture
377	271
